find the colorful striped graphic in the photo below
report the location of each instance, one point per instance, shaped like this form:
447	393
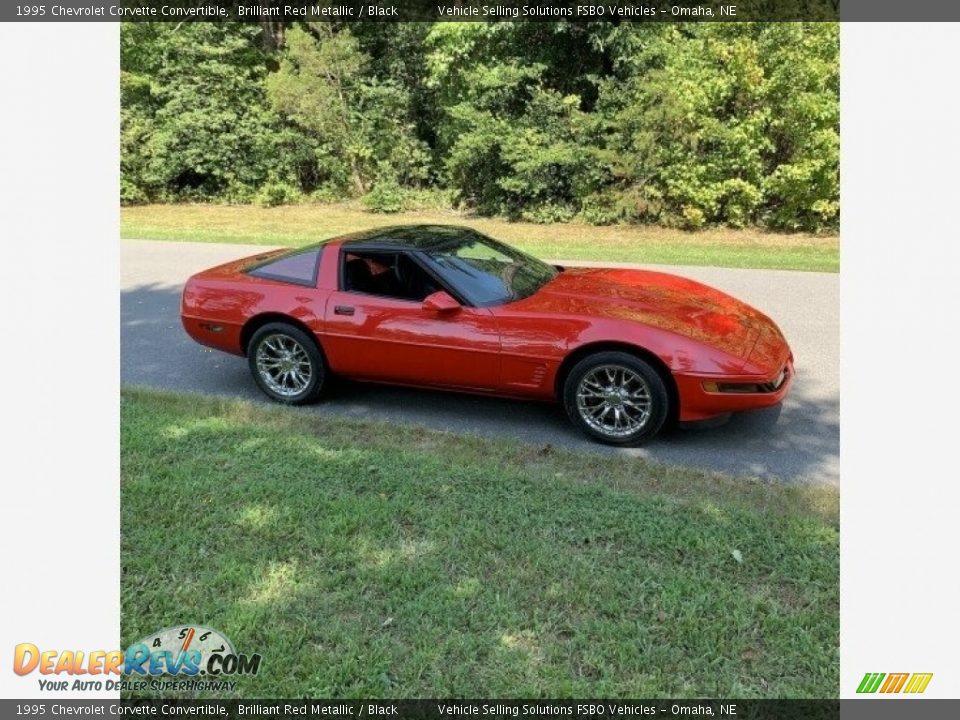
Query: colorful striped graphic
918	682
894	682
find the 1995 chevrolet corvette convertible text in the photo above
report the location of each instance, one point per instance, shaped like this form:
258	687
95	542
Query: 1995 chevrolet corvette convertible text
439	306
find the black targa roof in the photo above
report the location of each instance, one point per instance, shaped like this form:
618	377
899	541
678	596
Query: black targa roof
413	237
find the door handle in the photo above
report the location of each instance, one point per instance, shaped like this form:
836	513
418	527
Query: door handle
342	310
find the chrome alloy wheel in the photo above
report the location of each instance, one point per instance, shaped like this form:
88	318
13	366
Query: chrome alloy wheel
284	365
614	400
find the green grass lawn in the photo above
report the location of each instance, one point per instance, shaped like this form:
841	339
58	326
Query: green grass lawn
302	224
364	559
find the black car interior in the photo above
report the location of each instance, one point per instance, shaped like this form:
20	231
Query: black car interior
387	274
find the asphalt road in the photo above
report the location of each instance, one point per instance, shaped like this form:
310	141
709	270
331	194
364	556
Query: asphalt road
798	443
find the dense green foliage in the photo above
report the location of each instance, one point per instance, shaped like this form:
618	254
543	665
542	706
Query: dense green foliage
682	125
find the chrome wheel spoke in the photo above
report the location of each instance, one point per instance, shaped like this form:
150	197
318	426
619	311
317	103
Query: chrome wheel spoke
614	400
590	393
634	411
284	365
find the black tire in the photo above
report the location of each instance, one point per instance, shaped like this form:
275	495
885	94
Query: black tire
643	403
292	348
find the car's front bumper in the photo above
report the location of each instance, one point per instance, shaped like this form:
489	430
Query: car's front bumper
706	396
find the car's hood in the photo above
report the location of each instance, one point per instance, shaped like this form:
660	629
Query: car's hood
660	300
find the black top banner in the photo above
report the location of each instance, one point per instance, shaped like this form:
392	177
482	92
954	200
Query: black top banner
474	11
617	11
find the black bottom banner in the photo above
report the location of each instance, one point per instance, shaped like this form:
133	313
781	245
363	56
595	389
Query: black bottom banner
873	709
427	709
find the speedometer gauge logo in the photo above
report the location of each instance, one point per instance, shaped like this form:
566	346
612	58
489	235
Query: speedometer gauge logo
184	652
188	650
191	637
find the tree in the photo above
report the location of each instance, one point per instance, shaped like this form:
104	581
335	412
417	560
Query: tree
724	123
513	132
678	124
196	123
358	125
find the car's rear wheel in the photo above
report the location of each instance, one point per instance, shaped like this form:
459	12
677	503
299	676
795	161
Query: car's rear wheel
616	398
286	363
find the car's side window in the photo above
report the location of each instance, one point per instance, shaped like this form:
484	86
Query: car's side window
393	275
299	267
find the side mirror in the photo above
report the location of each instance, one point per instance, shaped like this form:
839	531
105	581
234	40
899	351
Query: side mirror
440	302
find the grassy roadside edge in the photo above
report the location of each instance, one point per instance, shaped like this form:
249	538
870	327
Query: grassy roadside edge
302	224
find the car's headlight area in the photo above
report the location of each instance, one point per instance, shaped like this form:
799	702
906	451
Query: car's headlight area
752	388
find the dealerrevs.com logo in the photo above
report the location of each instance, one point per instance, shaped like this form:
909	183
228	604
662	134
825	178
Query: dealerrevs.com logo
891	683
183	652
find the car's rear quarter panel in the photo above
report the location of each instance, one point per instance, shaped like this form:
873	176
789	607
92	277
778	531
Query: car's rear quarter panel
218	303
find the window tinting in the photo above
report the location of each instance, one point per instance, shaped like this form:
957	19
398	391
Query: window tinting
485	271
297	267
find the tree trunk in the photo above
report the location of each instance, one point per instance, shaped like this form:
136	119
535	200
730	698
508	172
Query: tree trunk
272	33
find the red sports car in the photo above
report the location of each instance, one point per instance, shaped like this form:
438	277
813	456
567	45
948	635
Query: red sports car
446	307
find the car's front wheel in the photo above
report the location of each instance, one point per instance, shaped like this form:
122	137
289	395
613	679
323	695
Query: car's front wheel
616	397
286	363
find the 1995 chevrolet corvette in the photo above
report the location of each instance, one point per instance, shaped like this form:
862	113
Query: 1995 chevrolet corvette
437	306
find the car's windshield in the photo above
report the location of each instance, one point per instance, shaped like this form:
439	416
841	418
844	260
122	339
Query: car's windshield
488	272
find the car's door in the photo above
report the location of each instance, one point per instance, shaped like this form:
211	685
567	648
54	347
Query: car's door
378	334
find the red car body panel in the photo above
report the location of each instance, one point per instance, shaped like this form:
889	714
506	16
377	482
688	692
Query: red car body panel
519	349
396	341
